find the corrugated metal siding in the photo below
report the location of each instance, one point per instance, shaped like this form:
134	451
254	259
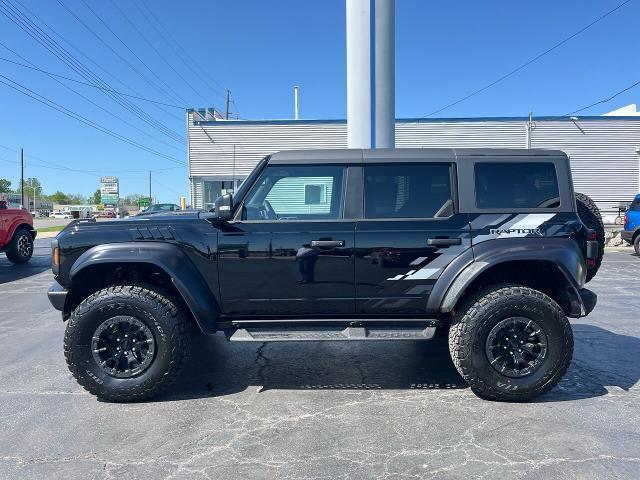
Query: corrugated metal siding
603	159
604	162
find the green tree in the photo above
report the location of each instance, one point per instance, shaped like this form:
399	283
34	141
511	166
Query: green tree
76	198
132	199
60	198
95	198
5	186
32	184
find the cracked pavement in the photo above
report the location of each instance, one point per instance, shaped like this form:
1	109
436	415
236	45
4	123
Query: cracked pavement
319	410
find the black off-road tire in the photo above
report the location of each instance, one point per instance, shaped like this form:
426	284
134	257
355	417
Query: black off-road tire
476	318
589	213
636	244
164	318
21	248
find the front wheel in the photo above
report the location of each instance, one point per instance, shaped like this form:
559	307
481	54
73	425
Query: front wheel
510	343
21	247
636	244
127	343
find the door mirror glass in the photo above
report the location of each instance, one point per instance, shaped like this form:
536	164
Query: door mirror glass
224	207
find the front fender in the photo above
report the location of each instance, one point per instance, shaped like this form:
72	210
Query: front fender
562	252
173	261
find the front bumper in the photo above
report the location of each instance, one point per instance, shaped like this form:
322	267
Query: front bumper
627	235
588	300
57	296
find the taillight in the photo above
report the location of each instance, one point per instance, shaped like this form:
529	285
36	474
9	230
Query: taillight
55	257
626	220
592	235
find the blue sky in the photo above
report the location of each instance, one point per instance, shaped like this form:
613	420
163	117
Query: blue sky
260	49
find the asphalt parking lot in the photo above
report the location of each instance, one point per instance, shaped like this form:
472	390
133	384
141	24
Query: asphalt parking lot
319	410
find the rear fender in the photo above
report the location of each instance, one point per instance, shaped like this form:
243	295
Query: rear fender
173	261
563	253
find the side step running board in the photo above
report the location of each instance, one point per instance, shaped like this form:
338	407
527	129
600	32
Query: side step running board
314	334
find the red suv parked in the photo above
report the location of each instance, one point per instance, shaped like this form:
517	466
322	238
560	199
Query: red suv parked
16	233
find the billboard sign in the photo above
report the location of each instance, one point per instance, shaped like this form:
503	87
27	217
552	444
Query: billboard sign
109	191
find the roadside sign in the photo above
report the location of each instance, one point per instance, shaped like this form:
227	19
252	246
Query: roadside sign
144	202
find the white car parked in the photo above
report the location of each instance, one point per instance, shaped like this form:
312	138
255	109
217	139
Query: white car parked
60	215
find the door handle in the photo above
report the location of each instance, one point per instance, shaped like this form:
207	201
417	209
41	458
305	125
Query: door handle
443	242
327	243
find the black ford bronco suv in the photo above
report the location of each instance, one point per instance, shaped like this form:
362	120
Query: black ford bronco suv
342	245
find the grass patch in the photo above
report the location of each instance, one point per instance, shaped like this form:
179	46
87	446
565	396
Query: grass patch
55	228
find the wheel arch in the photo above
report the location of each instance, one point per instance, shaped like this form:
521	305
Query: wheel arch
162	265
554	266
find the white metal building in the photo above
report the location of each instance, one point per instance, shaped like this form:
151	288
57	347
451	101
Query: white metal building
604	150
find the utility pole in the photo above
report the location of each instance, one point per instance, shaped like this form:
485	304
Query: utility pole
22	177
226	115
150	201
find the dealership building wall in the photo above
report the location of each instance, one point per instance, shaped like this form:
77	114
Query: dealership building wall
604	150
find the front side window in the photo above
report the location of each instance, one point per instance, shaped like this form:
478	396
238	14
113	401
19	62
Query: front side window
313	192
408	191
516	185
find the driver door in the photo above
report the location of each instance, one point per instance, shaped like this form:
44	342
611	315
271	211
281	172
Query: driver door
290	252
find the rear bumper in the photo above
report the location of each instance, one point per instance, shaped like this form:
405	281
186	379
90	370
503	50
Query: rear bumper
627	235
588	300
57	296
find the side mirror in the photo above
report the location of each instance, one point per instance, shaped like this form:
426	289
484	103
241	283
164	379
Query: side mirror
3	205
224	207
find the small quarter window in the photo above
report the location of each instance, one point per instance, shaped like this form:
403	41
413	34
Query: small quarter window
516	185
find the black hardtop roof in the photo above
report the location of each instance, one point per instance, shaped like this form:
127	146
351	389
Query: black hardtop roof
355	155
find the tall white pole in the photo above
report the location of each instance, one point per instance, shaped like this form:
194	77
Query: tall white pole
296	111
385	74
359	84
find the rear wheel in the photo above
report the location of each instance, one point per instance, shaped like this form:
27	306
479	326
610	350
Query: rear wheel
589	213
127	343
510	343
21	248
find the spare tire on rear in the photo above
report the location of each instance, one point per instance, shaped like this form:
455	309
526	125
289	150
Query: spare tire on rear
590	216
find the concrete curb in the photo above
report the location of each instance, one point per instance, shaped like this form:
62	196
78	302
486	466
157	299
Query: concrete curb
47	234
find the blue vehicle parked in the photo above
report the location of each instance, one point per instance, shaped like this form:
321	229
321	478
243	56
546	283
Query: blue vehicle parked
631	232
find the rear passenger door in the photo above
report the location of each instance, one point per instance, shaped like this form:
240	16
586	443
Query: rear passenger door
410	231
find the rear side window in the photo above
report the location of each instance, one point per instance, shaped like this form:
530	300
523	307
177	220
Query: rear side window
635	205
516	185
408	191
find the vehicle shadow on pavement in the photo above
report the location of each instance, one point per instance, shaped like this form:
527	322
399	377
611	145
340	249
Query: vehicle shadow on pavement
218	367
602	359
10	272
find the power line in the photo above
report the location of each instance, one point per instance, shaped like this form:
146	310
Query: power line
185	53
94	63
124	60
128	48
57	166
51	74
604	100
76	116
14	14
163	57
117	117
529	62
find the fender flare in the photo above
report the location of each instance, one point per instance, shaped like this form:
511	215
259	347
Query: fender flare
562	252
173	261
